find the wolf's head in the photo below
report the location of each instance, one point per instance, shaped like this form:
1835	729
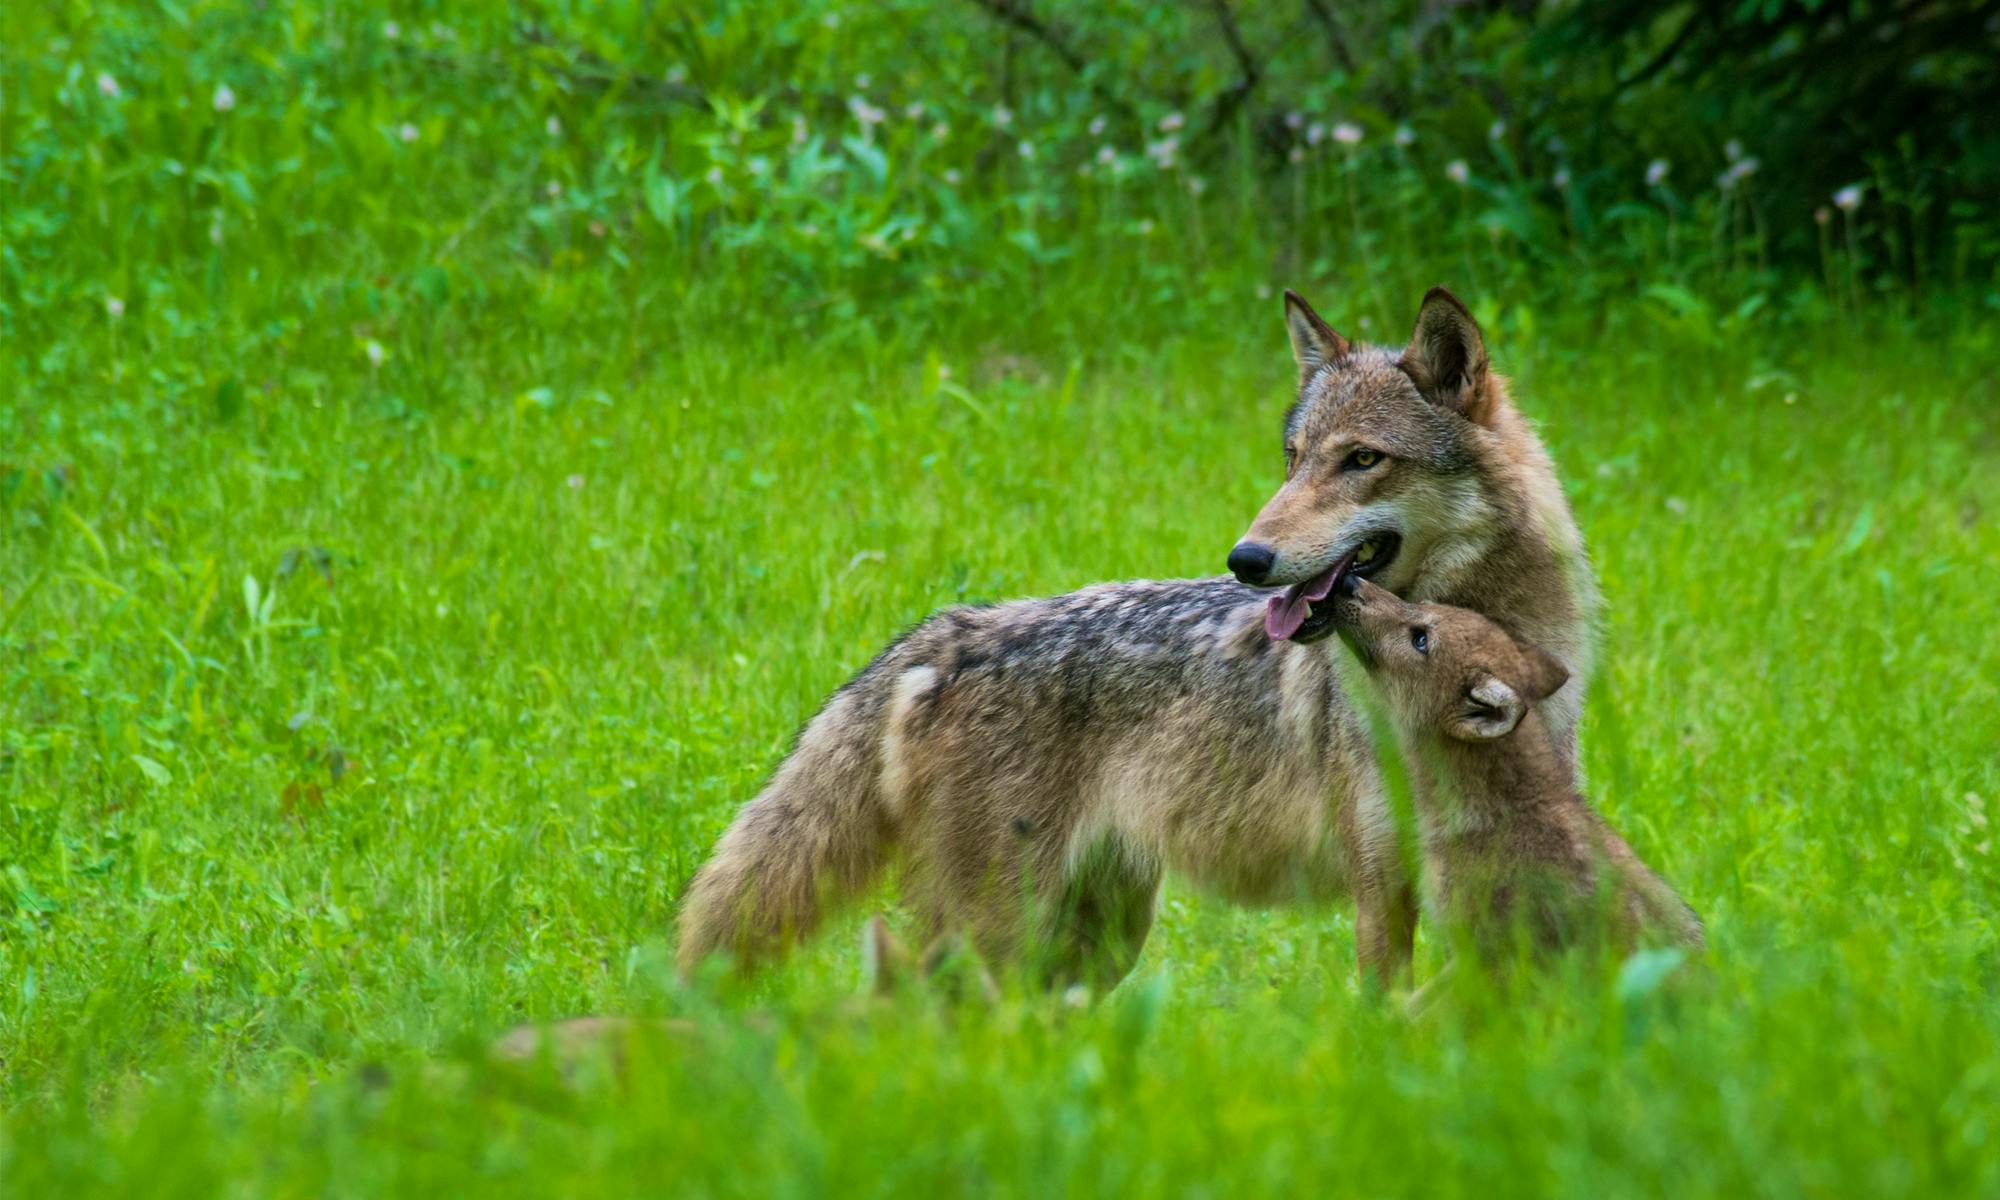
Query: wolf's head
1443	669
1383	456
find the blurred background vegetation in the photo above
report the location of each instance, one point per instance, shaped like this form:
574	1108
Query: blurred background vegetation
241	184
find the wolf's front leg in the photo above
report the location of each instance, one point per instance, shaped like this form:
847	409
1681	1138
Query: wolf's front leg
1385	932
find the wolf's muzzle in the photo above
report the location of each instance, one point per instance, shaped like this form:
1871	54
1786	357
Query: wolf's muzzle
1251	562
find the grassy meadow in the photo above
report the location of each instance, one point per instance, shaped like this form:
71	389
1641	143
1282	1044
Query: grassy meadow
413	547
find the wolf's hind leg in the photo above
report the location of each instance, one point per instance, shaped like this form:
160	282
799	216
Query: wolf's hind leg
1101	921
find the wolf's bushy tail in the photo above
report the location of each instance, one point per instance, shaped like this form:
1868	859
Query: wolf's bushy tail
817	834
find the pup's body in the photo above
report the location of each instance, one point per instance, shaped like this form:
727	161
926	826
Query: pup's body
1513	847
1037	765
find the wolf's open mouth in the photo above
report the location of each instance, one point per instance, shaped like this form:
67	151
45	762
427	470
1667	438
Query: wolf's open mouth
1291	613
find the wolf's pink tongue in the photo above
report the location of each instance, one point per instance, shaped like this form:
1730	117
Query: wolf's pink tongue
1289	609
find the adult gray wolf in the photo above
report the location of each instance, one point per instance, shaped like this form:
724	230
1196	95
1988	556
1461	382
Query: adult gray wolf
1035	766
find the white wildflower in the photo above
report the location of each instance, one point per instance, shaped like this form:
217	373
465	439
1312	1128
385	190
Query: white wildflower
1003	117
799	131
114	307
867	114
1097	125
1294	119
1732	149
1848	199
1496	131
1146	227
1196	185
224	98
391	30
1738	171
1171	122
951	176
913	111
554	189
1347	133
1822	214
1027	150
1656	172
1560	179
1405	136
106	85
714	176
940	131
1315	134
1458	172
1106	156
552	126
407	132
376	355
862	81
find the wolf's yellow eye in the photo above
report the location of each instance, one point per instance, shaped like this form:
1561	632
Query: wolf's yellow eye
1362	459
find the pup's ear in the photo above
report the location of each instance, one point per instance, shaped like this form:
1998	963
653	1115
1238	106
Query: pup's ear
1491	710
1314	343
1446	358
1545	675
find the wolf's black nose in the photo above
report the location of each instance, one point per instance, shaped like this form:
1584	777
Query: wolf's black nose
1250	562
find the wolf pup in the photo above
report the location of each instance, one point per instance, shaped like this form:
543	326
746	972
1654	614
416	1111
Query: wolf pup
1035	766
1513	847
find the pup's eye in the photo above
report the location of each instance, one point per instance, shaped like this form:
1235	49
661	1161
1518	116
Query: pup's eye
1291	459
1361	460
1420	639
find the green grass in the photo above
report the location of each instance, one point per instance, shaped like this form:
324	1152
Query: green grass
566	633
352	711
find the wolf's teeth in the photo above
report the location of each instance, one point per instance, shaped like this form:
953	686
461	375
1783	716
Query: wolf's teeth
1365	553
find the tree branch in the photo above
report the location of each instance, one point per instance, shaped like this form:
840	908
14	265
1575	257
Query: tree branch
1015	14
1338	44
1233	97
1666	55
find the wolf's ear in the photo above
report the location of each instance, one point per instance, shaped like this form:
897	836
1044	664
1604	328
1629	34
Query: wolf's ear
1490	710
1314	343
1446	358
1545	675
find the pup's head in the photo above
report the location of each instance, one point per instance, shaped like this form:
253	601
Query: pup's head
1443	670
1381	452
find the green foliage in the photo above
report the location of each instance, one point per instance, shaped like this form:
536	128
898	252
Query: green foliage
405	568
